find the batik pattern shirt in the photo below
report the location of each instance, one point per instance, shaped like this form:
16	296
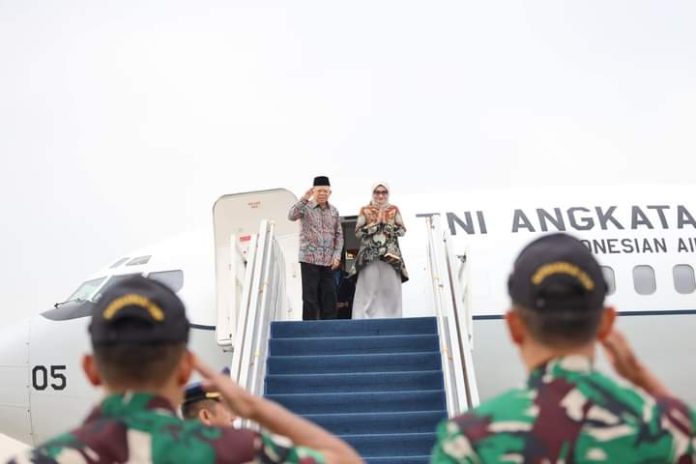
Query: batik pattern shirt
143	428
321	234
380	240
570	413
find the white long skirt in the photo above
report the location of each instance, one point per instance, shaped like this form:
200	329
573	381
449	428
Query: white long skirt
378	292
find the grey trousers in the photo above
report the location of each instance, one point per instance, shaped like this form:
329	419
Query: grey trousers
378	292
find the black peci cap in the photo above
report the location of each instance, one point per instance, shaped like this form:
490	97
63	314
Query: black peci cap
321	181
195	393
139	311
557	272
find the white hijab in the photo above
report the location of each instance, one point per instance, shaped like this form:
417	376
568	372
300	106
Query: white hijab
386	201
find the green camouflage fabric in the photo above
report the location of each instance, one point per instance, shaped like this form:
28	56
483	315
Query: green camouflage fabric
143	428
570	413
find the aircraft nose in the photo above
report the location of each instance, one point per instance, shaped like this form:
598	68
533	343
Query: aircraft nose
14	381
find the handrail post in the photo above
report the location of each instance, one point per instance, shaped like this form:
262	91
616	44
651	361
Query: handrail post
243	317
463	323
457	363
263	325
264	289
445	351
249	329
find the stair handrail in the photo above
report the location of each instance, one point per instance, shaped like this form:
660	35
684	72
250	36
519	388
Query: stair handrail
438	277
272	298
448	298
240	335
458	270
263	297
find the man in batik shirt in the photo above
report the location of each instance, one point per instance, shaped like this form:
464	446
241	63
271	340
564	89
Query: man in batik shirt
139	334
321	245
569	412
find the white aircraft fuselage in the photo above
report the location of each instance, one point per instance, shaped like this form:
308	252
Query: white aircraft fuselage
645	237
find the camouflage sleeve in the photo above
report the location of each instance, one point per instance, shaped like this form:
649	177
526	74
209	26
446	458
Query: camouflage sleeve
452	446
279	449
64	448
33	458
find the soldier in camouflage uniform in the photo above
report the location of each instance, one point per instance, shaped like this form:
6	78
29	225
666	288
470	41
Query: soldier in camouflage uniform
139	333
569	412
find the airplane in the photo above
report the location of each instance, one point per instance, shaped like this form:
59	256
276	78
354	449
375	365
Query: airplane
644	237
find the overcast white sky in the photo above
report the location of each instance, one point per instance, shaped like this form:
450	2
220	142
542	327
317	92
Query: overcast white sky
121	122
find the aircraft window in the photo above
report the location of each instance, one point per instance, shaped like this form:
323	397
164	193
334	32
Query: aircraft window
172	279
119	262
139	260
78	306
684	281
86	289
610	279
113	280
644	280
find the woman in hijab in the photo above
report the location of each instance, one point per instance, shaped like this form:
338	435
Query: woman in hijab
379	264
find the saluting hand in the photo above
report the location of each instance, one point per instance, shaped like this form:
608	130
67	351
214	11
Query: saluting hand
238	399
628	366
308	194
275	418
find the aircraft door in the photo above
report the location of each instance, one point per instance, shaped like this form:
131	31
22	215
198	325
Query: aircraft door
236	220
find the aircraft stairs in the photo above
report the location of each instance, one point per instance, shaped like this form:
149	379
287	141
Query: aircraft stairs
382	385
377	384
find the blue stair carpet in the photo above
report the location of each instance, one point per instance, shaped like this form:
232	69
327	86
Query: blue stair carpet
375	383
